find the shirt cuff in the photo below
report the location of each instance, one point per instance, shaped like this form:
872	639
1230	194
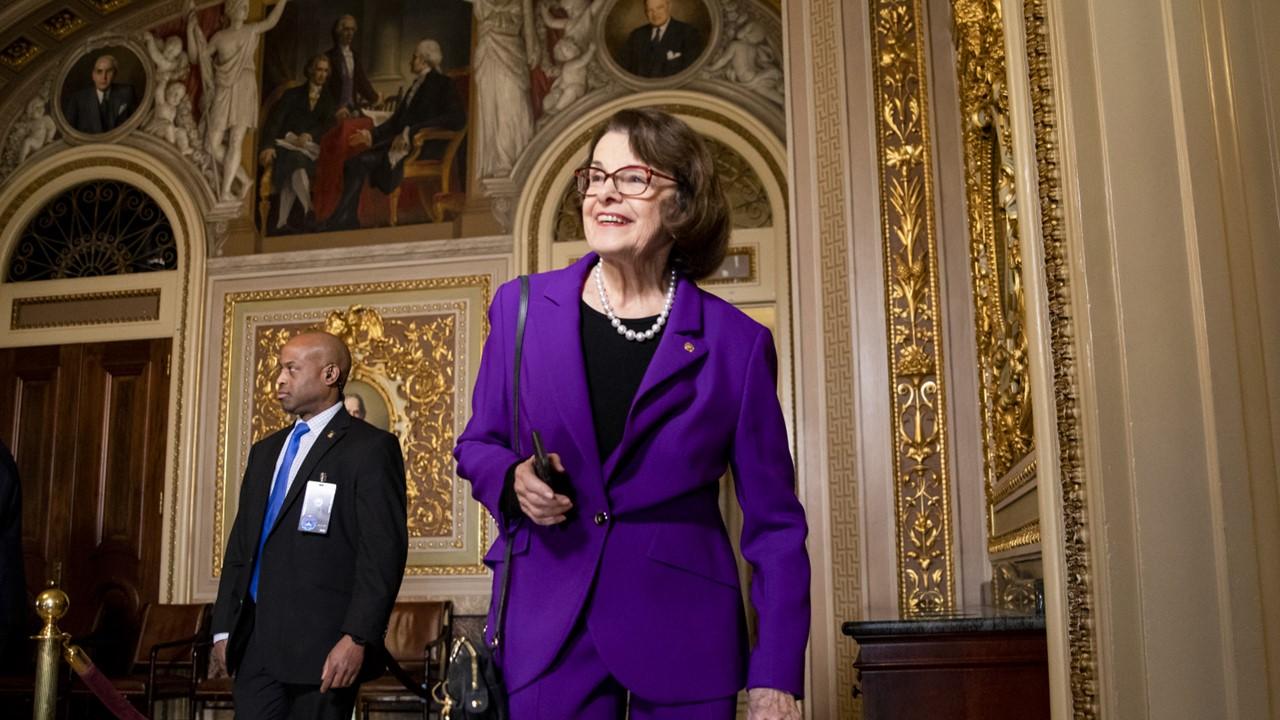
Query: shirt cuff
219	637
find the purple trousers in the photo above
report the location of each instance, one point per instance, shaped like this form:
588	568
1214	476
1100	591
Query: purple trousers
578	686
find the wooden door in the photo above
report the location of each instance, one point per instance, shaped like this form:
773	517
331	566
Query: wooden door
87	426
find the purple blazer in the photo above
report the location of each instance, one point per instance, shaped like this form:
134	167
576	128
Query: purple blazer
646	539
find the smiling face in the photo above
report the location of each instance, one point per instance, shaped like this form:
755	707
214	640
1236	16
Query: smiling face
104	72
619	227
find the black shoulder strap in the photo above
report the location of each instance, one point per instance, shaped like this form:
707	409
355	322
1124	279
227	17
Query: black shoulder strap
505	573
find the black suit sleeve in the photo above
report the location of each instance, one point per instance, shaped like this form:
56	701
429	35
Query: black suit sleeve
383	541
236	562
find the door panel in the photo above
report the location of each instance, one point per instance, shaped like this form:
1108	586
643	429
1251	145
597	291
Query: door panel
89	423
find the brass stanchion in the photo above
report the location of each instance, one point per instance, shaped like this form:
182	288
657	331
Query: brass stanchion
51	605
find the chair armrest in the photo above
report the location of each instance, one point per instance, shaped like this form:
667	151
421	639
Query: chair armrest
426	134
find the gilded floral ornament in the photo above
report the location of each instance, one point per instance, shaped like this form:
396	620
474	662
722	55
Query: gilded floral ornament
921	481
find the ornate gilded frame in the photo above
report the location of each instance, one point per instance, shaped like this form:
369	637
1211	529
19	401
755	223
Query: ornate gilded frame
415	344
995	254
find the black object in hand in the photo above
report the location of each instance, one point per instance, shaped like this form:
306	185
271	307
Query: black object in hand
547	472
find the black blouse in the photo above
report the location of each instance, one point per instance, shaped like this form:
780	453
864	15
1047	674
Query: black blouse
615	367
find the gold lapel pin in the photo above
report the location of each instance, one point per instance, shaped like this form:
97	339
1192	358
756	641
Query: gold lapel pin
330	435
688	347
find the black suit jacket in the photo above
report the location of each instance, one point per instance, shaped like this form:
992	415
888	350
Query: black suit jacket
83	113
292	113
436	104
680	45
362	92
312	589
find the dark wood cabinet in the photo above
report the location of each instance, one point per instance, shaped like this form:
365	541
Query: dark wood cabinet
984	667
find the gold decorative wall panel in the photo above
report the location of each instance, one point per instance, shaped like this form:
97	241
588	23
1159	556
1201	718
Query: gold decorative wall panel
413	345
995	255
921	476
1075	525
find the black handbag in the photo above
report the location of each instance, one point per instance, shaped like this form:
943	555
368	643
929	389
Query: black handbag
472	688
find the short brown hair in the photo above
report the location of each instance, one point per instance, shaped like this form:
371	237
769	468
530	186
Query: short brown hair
698	219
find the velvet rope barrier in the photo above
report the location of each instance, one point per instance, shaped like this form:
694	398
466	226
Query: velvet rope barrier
99	684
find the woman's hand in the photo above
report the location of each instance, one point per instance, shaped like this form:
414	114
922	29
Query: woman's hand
770	704
539	503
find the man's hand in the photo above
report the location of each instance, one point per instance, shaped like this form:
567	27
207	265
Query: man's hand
342	665
266	156
360	138
343	113
304	139
218	660
538	501
400	144
770	704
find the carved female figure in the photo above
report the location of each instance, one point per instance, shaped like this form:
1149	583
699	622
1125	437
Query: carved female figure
230	85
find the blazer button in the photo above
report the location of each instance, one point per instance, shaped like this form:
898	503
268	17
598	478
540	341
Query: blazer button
602	518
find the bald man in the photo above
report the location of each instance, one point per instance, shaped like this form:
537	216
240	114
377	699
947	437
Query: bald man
317	550
103	106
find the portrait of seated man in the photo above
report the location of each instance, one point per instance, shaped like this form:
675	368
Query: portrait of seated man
431	101
105	104
662	47
291	143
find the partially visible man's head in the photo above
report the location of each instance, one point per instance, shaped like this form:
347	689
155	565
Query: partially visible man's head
658	11
354	405
427	54
313	370
104	71
344	30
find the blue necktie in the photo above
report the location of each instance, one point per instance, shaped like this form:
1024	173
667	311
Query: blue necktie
278	491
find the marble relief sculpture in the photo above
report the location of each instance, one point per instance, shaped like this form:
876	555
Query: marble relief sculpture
748	61
505	50
572	54
36	129
230	100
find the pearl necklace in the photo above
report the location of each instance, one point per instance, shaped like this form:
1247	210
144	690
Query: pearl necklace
623	330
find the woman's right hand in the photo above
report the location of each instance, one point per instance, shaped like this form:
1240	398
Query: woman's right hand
539	503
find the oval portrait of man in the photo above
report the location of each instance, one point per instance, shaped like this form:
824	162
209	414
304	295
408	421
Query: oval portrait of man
102	90
653	39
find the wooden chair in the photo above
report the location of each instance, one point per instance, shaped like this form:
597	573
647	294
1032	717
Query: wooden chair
213	686
161	666
418	636
441	169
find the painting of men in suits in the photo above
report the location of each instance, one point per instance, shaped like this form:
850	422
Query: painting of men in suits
374	96
348	85
106	101
290	143
663	46
430	101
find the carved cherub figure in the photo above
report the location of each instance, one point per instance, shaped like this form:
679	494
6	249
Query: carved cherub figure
40	128
749	61
570	75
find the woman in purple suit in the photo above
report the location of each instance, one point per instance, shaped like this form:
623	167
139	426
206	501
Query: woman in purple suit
623	587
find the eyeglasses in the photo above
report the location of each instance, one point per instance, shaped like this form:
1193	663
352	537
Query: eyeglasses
630	180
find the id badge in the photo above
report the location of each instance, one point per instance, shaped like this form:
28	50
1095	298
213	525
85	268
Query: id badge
317	504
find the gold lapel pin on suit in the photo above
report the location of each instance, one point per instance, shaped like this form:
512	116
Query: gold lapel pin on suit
330	435
688	347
